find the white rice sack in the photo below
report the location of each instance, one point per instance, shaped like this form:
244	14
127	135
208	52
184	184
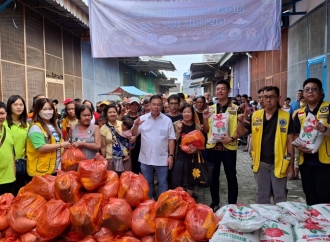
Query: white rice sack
311	232
225	234
317	217
242	219
221	211
268	211
219	127
287	217
324	209
274	231
309	137
297	209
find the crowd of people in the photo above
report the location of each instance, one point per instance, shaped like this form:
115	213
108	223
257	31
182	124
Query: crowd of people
145	135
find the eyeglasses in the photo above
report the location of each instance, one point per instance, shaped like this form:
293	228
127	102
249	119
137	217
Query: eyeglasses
173	103
308	89
271	97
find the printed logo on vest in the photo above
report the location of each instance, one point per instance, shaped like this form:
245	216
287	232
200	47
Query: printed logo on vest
282	122
283	130
324	109
257	122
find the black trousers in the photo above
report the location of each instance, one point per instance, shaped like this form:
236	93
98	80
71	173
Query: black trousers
21	181
228	159
7	188
316	183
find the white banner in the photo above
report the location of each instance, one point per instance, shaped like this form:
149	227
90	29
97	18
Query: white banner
128	28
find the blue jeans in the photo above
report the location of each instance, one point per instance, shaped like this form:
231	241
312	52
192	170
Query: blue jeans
161	172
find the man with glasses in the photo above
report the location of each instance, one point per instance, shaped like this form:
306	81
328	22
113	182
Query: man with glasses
272	136
225	151
157	144
174	108
296	103
315	168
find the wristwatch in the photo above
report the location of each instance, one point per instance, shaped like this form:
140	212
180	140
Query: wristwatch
170	155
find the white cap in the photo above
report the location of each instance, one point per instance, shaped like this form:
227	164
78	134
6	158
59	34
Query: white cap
134	99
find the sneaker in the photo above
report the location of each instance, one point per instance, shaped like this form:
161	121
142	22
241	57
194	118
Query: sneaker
214	207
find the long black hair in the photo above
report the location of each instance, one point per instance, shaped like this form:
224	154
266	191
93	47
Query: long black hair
22	117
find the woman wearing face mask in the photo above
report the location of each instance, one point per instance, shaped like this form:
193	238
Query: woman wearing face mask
44	143
71	119
17	123
85	135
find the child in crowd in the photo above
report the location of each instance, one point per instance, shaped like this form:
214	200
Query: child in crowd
102	120
126	127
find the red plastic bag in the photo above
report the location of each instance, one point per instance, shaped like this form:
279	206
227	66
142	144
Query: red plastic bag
67	187
86	214
71	158
71	235
93	173
134	188
54	220
117	216
168	229
11	235
184	237
149	238
194	138
174	204
41	185
201	222
5	201
104	235
144	218
127	239
25	211
110	188
88	238
31	236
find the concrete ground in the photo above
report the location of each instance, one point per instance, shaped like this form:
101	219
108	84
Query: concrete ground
246	185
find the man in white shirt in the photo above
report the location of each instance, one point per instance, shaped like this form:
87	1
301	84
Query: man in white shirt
157	144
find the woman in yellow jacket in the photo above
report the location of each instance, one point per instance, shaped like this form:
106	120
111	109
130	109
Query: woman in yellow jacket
44	143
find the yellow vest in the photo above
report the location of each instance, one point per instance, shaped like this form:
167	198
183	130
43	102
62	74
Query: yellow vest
40	163
280	145
232	126
324	150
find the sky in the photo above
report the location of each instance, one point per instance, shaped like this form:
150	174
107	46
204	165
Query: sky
182	64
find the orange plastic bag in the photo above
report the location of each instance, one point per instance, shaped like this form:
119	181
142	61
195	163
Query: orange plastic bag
104	235
67	187
88	238
11	235
93	173
184	237
41	185
71	158
194	138
201	222
134	188
174	204
54	220
110	188
144	218
25	211
127	239
117	215
5	201
71	235
31	236
86	214
149	238
168	229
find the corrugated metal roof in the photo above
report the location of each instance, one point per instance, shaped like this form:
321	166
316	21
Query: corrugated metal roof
77	8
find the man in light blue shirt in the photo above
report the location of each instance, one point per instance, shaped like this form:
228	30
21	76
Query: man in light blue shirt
296	104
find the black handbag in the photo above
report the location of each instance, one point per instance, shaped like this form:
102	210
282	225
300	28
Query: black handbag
20	166
198	172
